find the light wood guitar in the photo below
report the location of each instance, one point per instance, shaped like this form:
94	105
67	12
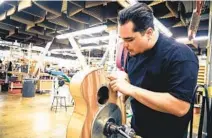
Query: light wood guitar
90	90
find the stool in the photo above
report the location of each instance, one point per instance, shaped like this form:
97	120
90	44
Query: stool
57	97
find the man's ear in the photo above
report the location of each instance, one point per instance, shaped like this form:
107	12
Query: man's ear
149	32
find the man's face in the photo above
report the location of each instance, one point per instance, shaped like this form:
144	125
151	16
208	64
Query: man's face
134	42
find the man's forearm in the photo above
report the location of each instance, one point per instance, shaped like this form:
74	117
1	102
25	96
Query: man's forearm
163	102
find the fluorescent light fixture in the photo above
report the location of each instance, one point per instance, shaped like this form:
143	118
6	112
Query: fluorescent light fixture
69	54
185	39
93	40
16	43
132	2
162	28
56	51
93	47
201	38
37	48
1	1
64	53
62	50
81	32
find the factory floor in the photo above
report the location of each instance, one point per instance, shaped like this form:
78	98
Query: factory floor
32	118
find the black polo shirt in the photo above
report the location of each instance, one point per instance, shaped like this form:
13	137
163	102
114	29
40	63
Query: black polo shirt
168	67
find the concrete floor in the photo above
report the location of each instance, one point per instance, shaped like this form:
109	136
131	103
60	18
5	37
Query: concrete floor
31	117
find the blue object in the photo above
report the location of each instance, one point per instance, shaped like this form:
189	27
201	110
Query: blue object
60	73
28	88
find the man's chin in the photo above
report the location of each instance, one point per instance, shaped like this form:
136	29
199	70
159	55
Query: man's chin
131	54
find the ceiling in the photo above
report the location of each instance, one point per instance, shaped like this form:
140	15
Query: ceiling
38	22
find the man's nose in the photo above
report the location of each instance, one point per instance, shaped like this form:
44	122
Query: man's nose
126	45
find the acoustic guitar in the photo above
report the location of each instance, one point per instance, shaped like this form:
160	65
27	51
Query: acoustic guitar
90	91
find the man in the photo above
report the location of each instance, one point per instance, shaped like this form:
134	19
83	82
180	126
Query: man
162	73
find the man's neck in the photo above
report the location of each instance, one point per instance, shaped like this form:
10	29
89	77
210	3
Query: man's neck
155	38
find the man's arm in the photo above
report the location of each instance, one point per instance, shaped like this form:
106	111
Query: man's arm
163	102
176	101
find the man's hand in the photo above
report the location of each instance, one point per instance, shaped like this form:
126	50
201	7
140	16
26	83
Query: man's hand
119	82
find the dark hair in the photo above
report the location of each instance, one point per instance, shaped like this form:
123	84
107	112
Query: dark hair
140	14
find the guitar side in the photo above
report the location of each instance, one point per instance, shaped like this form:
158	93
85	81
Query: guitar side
84	90
79	113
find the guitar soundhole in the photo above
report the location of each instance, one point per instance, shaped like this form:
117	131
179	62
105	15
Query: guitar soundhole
103	95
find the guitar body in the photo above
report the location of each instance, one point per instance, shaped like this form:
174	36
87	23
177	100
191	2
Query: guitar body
90	91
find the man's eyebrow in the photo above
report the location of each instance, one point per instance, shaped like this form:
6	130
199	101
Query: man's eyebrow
127	38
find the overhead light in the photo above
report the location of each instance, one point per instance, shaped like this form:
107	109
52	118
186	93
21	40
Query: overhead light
132	2
16	43
48	53
62	50
1	1
93	47
93	40
82	48
201	38
69	54
185	39
64	53
37	48
54	52
81	32
162	28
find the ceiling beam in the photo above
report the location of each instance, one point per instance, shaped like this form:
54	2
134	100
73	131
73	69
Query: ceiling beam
95	12
3	16
169	15
178	24
123	3
23	18
27	33
173	9
23	4
73	8
35	11
156	2
11	11
47	24
6	27
54	7
89	4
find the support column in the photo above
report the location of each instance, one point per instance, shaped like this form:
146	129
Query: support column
76	48
209	70
29	57
41	58
110	51
112	47
89	57
209	55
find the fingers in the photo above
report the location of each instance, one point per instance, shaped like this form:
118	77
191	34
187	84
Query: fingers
114	88
113	82
117	75
113	85
111	77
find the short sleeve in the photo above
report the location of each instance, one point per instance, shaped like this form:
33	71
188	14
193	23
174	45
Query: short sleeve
182	79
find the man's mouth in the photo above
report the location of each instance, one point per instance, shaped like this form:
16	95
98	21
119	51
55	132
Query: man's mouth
130	52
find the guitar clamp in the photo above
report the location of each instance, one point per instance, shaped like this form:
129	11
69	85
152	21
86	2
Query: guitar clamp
107	124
